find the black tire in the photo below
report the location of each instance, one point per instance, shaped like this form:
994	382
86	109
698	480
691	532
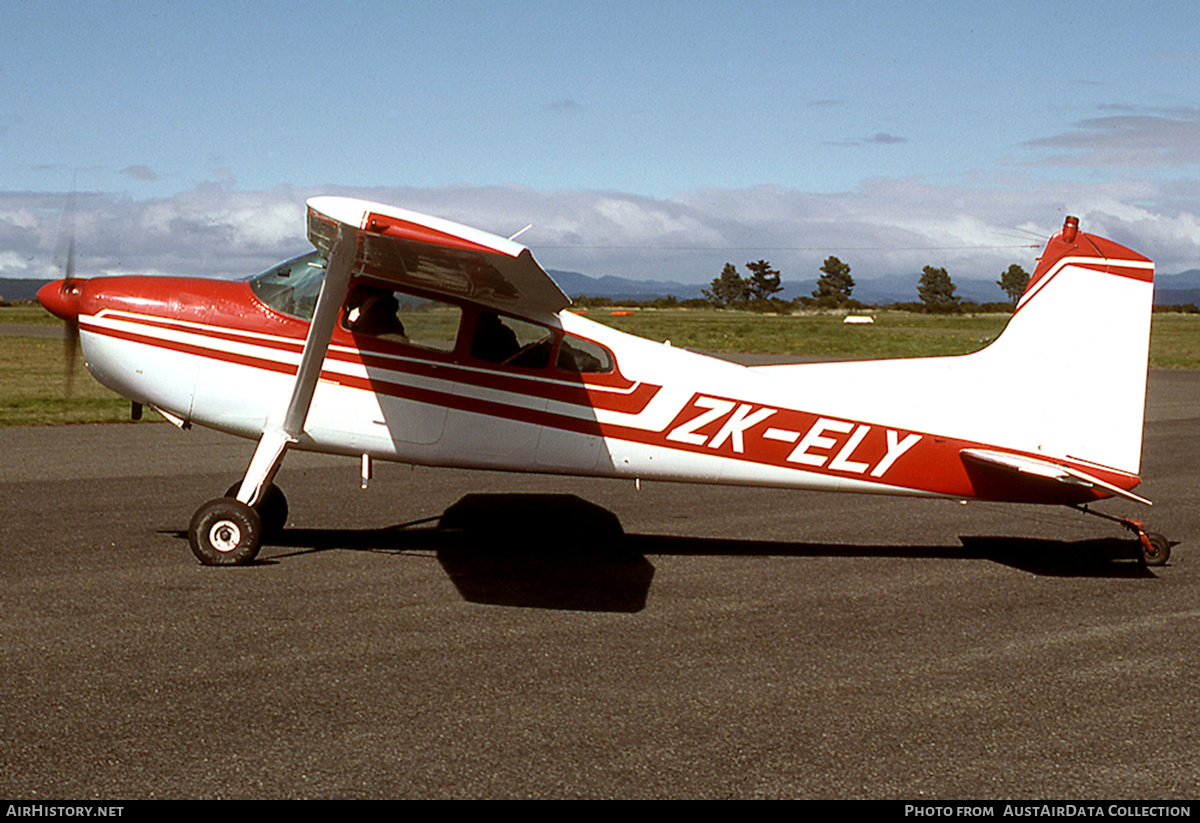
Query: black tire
1159	552
272	509
224	532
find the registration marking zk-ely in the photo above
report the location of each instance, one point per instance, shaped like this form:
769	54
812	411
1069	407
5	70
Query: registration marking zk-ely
827	443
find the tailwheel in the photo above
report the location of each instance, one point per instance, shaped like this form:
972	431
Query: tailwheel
272	508
1156	549
224	532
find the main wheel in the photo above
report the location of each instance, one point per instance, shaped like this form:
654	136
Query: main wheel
1159	550
272	508
224	532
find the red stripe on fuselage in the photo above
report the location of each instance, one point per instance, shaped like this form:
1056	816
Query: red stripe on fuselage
295	346
833	447
612	392
629	401
852	449
627	397
189	348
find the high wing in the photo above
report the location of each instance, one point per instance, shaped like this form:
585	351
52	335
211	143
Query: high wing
404	248
410	249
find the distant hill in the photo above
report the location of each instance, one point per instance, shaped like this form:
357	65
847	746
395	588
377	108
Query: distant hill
1189	279
1177	289
14	290
621	288
1169	289
902	288
898	289
1176	297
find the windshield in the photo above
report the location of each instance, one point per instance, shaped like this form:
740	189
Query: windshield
291	287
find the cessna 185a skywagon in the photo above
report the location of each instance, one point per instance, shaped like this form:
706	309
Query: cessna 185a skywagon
338	351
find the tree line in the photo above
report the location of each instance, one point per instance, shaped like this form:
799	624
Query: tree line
835	288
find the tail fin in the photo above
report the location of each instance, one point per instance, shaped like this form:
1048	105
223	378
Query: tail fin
1065	381
1077	348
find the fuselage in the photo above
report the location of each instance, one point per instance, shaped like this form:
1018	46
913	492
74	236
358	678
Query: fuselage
580	398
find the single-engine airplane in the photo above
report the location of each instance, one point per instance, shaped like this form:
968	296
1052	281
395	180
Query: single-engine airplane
410	338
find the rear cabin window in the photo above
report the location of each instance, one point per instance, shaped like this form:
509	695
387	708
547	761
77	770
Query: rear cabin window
575	354
511	342
402	318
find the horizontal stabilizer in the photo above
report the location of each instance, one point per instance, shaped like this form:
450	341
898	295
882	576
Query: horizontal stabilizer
1021	476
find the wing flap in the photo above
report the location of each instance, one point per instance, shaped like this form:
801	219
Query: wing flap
410	249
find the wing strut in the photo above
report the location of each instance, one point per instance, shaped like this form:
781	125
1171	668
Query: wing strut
277	436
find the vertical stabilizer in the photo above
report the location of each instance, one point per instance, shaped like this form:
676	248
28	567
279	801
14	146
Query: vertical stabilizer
1077	348
1065	381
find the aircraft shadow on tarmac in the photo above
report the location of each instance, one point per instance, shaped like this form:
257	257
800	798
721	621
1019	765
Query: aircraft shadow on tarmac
558	551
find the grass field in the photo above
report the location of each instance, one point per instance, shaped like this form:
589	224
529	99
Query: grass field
33	375
27	314
33	384
894	334
1174	338
1175	341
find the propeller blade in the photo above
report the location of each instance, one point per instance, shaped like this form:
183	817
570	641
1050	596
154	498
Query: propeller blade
71	339
69	276
70	353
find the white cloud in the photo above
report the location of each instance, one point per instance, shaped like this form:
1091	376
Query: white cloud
883	227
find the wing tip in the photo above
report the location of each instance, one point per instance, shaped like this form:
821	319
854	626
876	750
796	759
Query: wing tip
411	225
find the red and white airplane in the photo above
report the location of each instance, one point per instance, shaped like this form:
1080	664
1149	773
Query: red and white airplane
410	338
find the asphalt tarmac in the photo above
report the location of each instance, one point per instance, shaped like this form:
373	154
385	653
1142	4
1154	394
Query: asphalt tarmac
465	634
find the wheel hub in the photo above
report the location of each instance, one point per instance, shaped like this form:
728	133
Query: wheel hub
224	536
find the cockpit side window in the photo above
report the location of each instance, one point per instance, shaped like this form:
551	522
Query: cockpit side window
291	287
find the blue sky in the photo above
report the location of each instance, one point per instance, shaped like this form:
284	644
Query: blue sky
650	140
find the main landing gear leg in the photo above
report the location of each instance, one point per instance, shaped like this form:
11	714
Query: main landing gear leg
1155	548
228	531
